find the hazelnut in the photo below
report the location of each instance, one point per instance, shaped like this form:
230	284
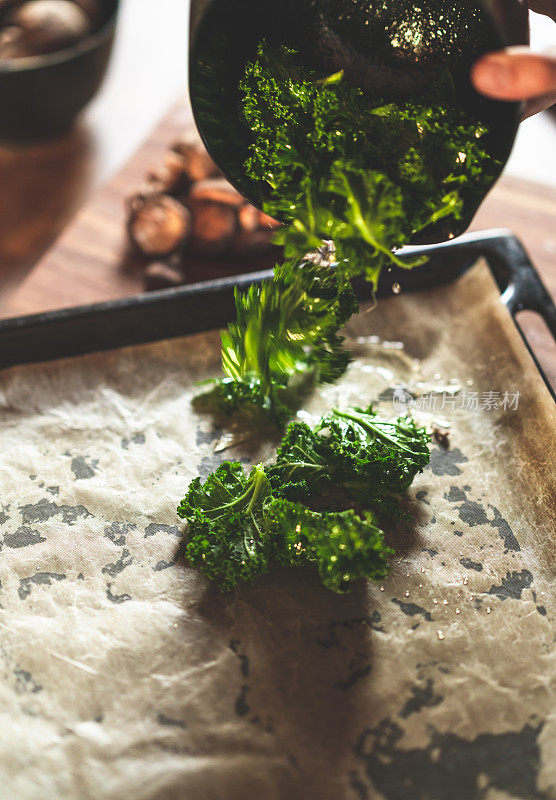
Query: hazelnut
216	190
158	225
198	164
213	228
248	217
50	25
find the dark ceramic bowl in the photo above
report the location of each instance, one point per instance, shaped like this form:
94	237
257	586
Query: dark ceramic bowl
224	34
40	96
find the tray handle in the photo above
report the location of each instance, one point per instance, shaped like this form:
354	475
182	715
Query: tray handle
199	307
519	283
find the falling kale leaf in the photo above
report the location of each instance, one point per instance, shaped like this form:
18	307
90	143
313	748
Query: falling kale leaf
289	325
336	163
285	327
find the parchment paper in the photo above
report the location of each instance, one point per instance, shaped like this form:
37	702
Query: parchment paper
126	675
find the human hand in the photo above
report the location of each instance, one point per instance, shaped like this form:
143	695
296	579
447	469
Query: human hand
517	73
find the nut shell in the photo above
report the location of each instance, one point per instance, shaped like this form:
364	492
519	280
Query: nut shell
197	162
158	225
213	228
216	190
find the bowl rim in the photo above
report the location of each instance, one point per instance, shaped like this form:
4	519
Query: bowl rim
29	63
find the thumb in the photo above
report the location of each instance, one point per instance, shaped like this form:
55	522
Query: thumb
515	74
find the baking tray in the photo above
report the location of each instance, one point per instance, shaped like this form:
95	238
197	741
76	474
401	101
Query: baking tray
126	674
210	304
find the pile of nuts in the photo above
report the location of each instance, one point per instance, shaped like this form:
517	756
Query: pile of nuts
187	211
36	27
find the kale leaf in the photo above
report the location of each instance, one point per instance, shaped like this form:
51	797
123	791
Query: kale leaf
342	545
374	459
336	162
237	530
381	457
227	532
285	327
240	525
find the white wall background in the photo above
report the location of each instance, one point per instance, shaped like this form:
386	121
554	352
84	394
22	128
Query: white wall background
534	153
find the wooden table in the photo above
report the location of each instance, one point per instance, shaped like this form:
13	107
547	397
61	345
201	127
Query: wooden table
42	187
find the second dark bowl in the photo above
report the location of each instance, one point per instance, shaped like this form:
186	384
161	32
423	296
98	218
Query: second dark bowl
41	96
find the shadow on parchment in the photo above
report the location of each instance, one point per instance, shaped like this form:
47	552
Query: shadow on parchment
403	535
306	661
310	658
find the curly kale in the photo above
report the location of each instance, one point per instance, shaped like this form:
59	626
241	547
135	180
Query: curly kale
336	162
305	464
285	327
375	460
238	540
289	325
341	545
340	164
226	537
381	457
240	525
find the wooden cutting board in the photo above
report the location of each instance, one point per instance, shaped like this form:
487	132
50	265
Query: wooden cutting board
89	262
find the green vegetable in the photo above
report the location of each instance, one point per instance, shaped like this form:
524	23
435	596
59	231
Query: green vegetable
289	325
239	539
336	162
226	537
375	460
240	525
250	406
342	545
285	327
